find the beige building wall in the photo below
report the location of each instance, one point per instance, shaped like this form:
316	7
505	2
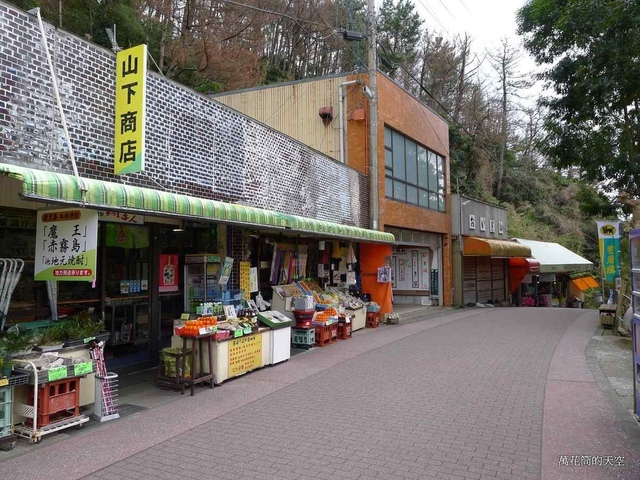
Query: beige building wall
293	108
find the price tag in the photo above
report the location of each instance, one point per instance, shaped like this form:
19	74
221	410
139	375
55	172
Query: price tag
83	368
203	331
4	382
185	316
89	339
59	373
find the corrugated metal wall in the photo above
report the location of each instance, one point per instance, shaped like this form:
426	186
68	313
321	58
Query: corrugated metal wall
282	107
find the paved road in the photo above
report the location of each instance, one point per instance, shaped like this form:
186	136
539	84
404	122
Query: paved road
496	393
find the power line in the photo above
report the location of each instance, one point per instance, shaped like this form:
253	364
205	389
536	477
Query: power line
482	147
465	6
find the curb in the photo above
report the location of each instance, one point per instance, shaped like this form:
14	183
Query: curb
627	420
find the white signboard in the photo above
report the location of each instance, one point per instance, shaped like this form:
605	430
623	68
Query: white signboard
66	245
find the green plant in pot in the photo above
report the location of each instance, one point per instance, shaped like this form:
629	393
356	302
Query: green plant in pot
82	326
6	363
13	343
53	335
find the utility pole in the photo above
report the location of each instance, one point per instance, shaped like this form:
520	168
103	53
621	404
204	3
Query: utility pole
373	116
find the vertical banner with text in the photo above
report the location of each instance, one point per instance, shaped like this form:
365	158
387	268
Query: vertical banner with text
66	245
131	80
609	245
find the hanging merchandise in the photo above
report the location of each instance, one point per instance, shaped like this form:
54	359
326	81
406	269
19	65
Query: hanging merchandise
302	261
351	256
10	270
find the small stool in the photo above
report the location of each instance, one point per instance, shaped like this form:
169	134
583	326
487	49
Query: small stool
197	374
373	319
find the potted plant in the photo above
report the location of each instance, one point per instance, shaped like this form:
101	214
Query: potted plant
52	338
70	332
13	343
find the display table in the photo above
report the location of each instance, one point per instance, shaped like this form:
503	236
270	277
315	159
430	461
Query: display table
233	357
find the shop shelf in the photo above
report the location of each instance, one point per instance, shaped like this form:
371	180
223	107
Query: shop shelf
43	375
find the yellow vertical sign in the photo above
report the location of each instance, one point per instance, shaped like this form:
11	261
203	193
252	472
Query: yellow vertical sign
131	76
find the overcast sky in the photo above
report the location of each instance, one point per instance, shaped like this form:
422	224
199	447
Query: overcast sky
486	21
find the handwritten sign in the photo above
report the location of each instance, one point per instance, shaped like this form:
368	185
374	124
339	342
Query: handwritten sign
66	245
4	382
245	354
83	368
59	373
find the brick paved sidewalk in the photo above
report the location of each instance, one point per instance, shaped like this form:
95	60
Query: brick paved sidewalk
454	397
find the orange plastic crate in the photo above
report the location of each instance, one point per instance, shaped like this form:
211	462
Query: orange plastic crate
57	401
323	335
344	330
373	319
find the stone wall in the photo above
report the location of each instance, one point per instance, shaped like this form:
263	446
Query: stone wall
194	145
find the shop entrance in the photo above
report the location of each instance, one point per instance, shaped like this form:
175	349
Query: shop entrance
127	313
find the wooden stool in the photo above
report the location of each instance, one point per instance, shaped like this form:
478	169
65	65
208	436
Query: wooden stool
197	374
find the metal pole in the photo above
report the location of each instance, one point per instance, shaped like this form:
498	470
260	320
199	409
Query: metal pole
343	158
373	116
56	93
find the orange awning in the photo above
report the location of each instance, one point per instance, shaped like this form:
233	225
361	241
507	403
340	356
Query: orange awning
585	283
488	247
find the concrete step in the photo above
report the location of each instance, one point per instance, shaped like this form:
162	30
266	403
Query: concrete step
410	313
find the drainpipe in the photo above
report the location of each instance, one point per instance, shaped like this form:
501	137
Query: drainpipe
373	115
56	93
341	113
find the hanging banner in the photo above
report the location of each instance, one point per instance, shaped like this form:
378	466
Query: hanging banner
66	245
226	271
169	273
609	245
253	280
424	259
131	75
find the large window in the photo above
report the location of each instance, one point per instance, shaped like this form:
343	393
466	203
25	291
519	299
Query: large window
413	174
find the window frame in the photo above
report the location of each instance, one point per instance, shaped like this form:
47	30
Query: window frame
433	188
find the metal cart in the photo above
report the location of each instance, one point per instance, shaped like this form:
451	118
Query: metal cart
30	428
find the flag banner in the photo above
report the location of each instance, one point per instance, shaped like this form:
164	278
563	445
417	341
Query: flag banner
609	246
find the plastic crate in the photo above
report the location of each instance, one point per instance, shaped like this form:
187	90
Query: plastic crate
5	411
324	334
373	319
344	330
303	337
57	401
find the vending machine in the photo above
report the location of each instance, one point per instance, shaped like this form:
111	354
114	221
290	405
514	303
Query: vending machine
634	244
201	276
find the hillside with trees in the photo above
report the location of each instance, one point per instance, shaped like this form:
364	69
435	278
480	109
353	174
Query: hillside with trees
555	163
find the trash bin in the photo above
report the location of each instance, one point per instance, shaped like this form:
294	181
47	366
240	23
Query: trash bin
607	314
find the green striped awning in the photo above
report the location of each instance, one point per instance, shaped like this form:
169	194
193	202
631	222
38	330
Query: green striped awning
61	188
